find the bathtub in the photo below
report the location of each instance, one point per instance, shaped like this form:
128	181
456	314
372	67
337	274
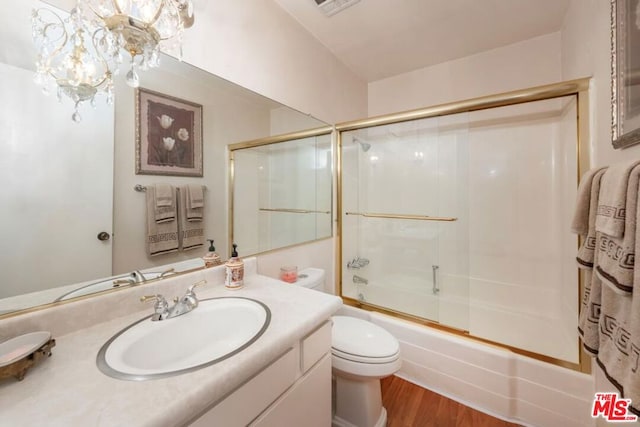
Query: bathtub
488	378
524	317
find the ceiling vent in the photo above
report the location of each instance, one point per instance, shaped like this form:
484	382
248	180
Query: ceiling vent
331	7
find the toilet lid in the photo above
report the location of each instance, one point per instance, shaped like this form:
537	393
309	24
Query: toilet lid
358	337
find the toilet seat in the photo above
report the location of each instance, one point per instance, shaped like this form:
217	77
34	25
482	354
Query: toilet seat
364	359
362	339
362	349
363	371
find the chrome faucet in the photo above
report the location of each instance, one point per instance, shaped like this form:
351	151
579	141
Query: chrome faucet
138	276
160	308
188	302
360	280
357	263
134	278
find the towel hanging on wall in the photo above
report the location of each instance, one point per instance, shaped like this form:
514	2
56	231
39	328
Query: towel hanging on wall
162	235
616	224
191	230
165	203
584	224
609	321
195	202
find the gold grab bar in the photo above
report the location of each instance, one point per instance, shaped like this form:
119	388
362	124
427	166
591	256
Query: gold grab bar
302	211
394	216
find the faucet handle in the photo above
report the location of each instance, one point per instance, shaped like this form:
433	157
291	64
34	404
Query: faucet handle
192	287
161	303
117	283
151	298
161	307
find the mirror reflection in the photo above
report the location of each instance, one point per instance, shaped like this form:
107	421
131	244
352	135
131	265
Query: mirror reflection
72	223
281	191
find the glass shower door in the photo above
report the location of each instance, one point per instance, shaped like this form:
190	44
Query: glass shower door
403	217
465	220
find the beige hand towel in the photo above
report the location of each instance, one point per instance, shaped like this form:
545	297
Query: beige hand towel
588	322
162	237
590	206
619	343
191	232
165	203
609	321
164	195
195	202
584	224
582	215
616	255
612	202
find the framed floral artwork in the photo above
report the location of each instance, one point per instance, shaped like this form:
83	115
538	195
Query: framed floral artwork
625	72
168	135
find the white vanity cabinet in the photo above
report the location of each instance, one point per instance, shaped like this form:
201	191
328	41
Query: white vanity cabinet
295	389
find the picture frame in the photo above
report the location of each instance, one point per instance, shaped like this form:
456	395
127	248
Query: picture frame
625	73
168	135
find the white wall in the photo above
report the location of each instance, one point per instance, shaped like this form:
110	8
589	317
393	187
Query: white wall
258	45
529	63
586	52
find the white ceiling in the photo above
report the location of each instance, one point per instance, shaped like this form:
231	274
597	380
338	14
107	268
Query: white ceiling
382	38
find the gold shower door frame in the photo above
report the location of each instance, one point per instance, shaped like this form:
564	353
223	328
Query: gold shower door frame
578	88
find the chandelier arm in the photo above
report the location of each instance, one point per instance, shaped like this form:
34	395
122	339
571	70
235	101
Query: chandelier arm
161	39
107	76
117	6
100	57
60	23
59	46
157	14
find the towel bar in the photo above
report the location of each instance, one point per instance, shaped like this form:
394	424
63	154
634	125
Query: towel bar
142	188
396	216
303	211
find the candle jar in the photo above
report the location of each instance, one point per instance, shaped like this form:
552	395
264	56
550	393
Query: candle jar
289	273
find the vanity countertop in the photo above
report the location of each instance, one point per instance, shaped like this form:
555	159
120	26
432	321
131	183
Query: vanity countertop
69	390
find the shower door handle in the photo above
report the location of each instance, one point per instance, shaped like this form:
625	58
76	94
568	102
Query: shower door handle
436	285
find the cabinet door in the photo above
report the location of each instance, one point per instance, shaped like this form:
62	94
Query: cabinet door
248	401
307	403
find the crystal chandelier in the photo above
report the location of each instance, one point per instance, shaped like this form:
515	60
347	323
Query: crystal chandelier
69	58
141	28
81	54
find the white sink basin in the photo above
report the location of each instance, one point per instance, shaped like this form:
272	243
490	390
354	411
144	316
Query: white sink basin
216	330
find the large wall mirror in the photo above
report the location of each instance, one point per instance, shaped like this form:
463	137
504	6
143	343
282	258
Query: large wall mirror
65	182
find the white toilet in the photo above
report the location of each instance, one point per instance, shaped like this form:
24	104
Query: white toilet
361	354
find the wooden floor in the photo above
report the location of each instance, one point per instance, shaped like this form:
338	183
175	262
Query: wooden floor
409	405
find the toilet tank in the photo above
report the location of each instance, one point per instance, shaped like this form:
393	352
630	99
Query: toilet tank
312	278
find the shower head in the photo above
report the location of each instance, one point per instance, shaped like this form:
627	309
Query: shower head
365	145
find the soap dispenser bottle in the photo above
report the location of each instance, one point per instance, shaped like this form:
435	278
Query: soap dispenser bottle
211	258
234	270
